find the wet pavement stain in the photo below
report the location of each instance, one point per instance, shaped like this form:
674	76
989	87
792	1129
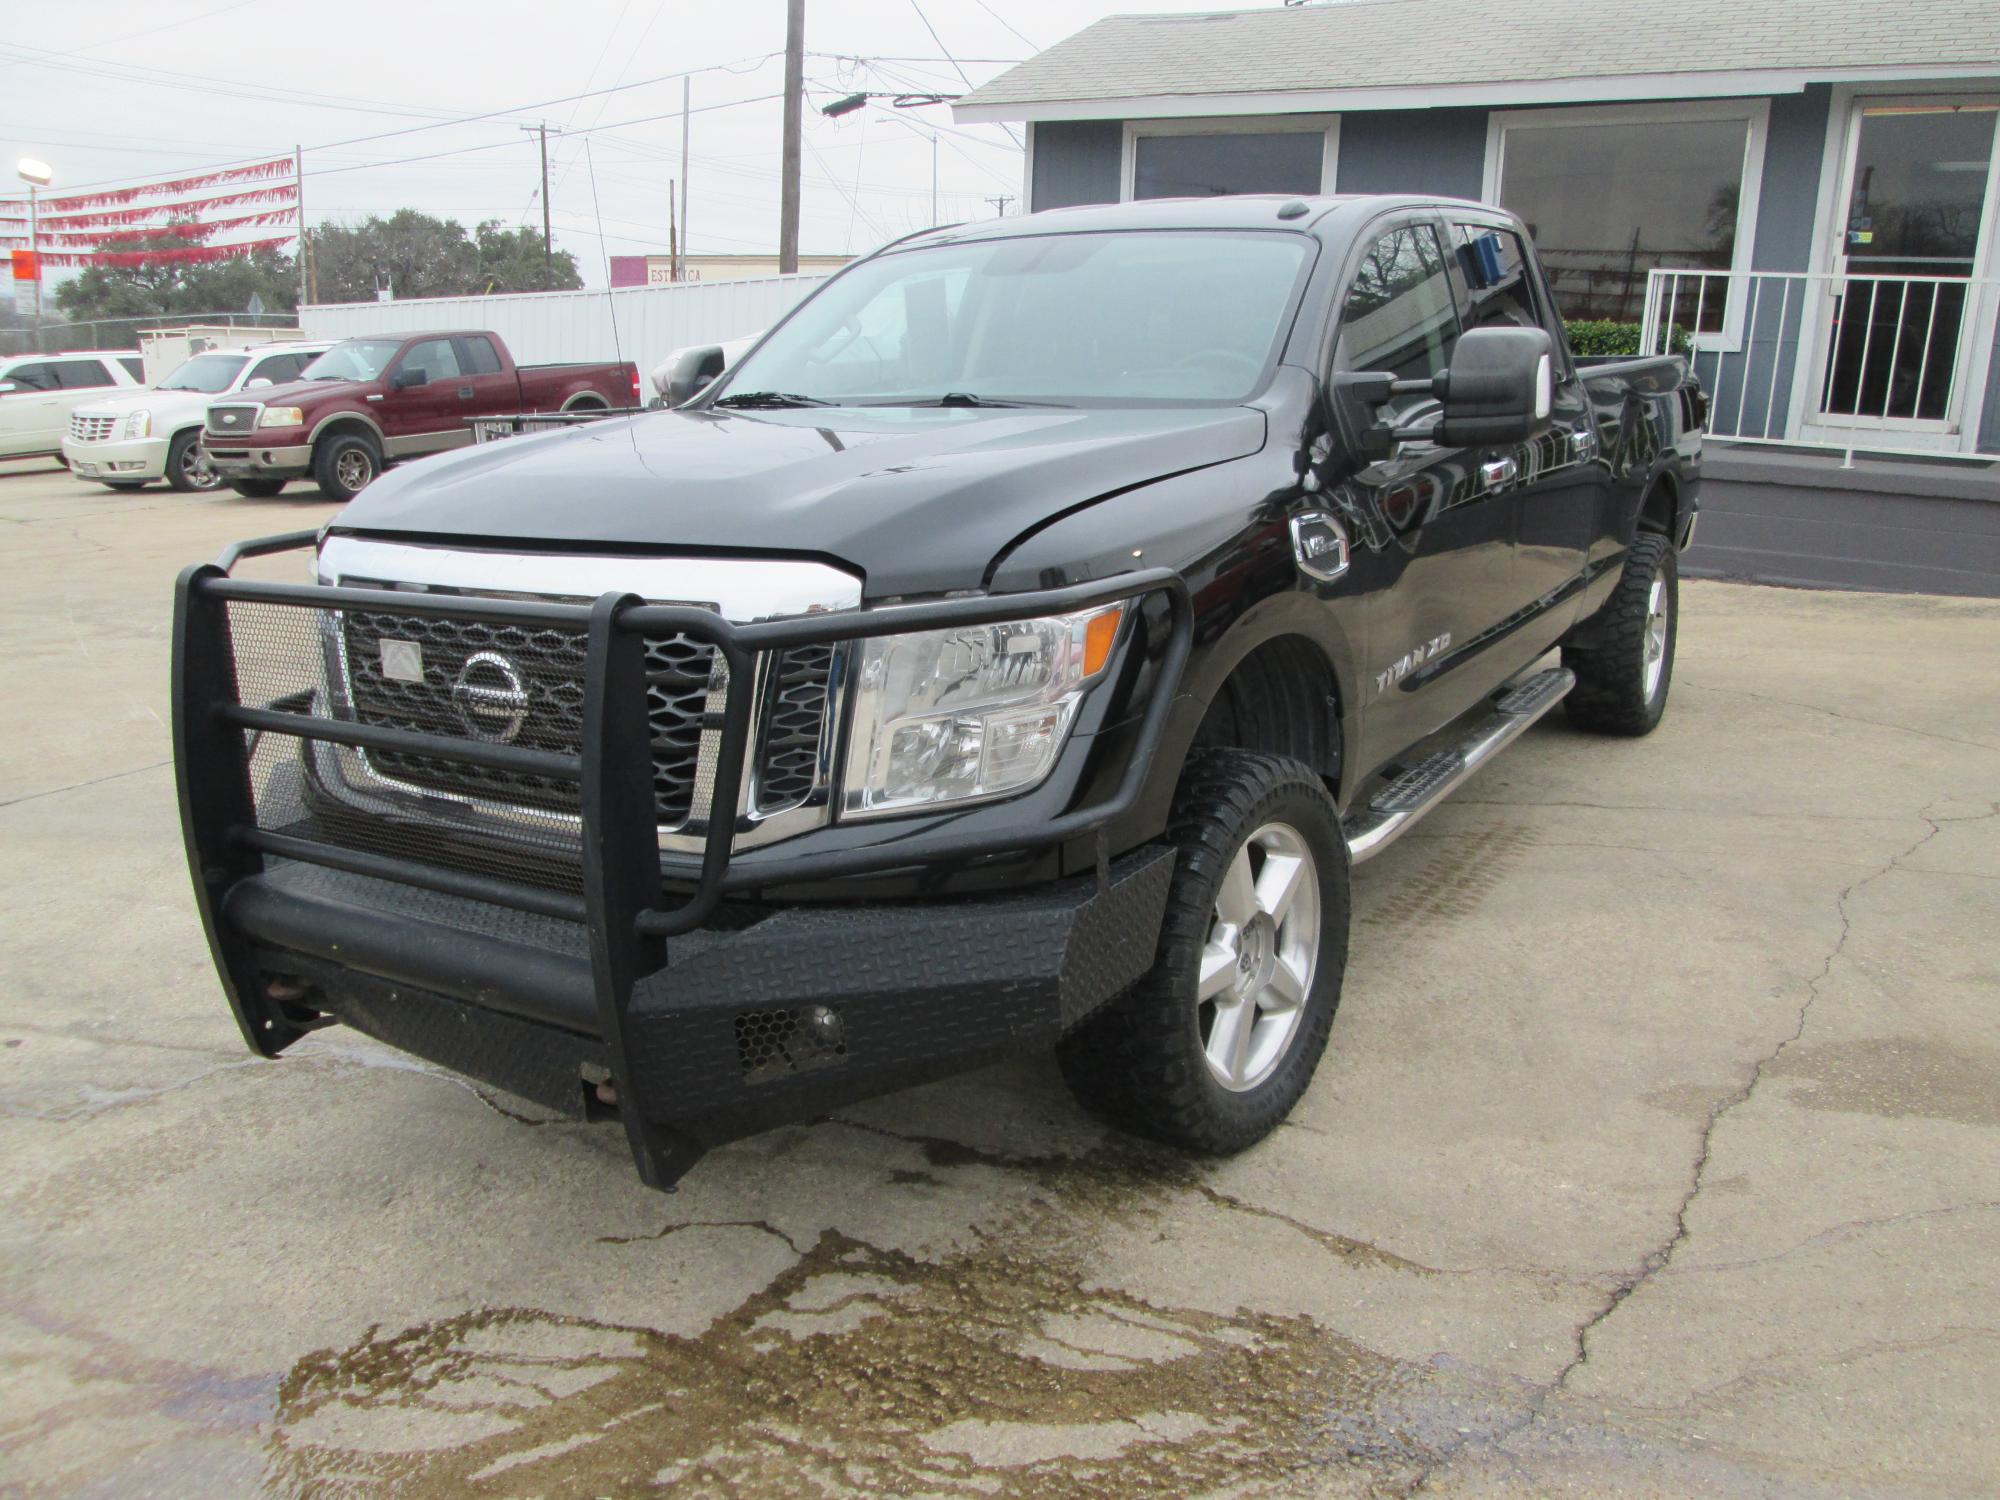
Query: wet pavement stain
999	1370
1895	1076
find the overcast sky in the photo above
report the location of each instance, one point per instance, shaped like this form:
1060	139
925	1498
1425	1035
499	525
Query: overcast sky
112	90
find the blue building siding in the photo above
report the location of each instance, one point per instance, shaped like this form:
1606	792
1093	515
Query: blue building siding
1077	162
1414	151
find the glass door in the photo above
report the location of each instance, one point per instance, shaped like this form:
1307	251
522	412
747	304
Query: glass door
1904	293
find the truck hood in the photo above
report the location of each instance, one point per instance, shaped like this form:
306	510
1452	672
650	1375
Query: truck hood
166	406
920	500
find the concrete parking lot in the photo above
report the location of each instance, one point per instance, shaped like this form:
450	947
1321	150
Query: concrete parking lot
1657	1149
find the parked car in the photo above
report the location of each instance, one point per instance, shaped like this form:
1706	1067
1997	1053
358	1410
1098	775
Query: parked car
1015	649
371	402
128	441
39	391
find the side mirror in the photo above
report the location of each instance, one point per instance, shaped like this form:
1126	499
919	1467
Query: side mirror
1500	389
7	386
694	370
251	385
404	380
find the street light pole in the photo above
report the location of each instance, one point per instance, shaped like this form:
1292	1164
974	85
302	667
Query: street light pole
37	175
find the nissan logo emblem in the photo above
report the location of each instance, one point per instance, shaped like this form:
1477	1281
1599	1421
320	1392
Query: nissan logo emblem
491	698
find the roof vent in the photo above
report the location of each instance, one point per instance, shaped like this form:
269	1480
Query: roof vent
1296	209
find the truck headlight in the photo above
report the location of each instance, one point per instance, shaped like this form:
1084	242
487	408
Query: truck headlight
968	714
282	416
139	424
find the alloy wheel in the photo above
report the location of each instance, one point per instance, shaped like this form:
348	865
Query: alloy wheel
1257	966
1657	610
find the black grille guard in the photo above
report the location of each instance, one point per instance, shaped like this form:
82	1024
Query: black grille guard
626	907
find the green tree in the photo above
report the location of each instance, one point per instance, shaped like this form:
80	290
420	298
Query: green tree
173	288
511	260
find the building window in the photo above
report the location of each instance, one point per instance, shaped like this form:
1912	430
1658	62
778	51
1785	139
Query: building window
1611	194
1209	158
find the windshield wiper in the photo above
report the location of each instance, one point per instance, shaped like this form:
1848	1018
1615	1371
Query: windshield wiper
960	398
771	398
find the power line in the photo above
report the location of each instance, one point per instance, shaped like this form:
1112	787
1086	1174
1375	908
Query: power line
1003	21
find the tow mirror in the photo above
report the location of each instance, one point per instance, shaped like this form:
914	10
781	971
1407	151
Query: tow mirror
694	370
1500	389
404	380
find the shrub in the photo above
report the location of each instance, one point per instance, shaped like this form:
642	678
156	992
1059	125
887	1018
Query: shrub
1602	336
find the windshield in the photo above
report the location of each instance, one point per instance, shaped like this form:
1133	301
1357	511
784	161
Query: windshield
357	359
1066	319
207	373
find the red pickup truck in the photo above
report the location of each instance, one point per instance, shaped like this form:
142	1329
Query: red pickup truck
371	402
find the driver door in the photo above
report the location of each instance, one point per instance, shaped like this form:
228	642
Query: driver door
1433	538
424	418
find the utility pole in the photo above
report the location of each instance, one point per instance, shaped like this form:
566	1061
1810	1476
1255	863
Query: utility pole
548	236
673	237
788	200
1000	203
299	165
934	212
680	263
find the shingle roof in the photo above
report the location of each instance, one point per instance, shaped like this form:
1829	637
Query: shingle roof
1381	44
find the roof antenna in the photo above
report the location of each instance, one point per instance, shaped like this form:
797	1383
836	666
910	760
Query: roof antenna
610	301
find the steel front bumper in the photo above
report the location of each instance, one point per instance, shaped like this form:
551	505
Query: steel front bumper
711	1010
120	460
237	458
798	1013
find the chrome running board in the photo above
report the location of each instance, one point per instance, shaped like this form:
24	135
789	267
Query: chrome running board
1396	806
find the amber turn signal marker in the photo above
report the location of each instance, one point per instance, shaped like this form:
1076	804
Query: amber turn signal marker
1098	637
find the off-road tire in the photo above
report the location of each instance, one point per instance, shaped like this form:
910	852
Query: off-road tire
178	476
257	489
1611	696
340	460
1139	1063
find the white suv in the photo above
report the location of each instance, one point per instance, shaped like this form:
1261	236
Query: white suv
130	440
39	391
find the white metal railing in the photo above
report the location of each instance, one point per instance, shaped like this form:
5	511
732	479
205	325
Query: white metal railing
1872	362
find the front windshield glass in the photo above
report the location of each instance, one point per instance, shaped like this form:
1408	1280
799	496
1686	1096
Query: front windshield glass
1067	319
357	359
206	373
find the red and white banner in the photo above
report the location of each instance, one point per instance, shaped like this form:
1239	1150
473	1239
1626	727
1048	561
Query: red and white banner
184	254
282	166
189	229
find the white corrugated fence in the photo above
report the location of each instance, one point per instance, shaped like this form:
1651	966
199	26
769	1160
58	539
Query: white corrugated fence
545	327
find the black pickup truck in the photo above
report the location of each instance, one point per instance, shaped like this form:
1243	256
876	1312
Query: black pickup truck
1015	649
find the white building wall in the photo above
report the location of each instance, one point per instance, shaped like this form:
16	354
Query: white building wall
547	327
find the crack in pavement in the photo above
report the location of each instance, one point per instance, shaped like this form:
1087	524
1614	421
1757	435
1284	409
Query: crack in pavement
75	786
666	1230
1658	1260
1928	734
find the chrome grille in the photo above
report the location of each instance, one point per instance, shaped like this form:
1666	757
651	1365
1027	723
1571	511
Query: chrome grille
232	421
84	429
681	676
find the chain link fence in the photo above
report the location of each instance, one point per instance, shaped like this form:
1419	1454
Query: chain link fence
17	336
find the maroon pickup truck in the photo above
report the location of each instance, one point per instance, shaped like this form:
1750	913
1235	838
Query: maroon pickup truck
371	402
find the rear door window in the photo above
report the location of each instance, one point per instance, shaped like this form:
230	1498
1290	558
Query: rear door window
1499	290
480	357
81	374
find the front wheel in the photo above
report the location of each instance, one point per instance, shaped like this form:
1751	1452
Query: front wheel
188	468
1216	1044
1623	677
256	489
345	465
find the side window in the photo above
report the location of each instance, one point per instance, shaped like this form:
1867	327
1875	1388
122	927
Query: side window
480	358
36	377
134	367
1398	315
434	357
1499	291
81	374
278	369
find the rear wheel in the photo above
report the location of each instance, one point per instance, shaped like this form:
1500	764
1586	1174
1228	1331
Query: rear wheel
257	489
187	464
345	464
1213	1047
1622	678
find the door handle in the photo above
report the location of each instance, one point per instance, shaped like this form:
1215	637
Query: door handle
376	397
1582	444
1499	472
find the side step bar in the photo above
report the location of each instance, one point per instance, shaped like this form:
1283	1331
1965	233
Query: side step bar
1396	806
